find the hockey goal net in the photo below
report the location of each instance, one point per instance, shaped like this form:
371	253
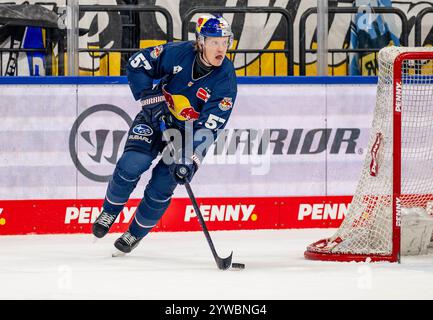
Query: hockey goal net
398	168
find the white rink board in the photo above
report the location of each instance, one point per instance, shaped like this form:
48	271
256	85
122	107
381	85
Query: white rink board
37	121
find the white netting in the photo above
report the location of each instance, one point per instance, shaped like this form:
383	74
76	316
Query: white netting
367	228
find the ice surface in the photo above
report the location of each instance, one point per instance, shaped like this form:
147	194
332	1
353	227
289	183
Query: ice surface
179	265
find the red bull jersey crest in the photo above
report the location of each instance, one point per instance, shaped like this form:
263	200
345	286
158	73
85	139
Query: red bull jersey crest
156	52
225	104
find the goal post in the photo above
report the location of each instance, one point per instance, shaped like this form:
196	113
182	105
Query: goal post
397	174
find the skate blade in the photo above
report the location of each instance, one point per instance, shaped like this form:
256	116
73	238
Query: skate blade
95	239
118	253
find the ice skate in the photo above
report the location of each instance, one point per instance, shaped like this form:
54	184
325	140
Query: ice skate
126	243
103	224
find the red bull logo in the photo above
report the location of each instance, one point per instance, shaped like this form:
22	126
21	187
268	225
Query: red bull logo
225	104
180	106
168	99
156	52
200	23
189	114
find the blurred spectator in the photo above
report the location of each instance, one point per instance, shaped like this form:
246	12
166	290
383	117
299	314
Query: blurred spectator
370	30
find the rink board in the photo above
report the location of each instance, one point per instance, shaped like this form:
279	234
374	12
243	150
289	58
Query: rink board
290	158
76	216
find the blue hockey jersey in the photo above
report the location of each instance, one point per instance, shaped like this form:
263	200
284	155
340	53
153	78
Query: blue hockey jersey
206	101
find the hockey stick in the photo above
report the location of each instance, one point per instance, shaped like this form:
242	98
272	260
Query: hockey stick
222	263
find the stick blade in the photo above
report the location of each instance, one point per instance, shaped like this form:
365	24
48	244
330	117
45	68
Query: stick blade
224	263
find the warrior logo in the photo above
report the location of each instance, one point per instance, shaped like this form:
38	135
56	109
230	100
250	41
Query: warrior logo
98	146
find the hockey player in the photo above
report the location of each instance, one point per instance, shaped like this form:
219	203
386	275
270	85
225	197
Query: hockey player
197	89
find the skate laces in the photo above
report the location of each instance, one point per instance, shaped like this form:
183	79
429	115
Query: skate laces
106	219
129	238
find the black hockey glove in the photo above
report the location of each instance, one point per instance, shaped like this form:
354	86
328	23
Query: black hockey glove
184	171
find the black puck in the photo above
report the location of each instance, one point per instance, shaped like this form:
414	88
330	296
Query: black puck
238	265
